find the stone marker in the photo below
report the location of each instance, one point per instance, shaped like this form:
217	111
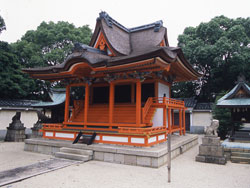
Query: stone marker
16	130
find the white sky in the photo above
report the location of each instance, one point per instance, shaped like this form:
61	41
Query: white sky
23	15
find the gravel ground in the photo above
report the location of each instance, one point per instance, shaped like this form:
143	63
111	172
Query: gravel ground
94	174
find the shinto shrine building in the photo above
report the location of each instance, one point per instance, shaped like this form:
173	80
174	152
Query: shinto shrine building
119	85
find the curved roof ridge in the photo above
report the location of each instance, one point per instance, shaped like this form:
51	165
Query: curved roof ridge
156	25
110	21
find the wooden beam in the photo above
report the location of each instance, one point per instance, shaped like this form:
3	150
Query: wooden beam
156	84
138	102
67	98
86	103
111	101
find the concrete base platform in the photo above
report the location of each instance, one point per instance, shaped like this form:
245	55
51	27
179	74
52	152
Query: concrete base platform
154	156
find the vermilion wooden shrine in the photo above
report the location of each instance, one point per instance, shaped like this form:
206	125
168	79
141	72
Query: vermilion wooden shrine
119	85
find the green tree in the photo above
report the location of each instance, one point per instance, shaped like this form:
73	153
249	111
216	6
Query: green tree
2	24
13	83
220	50
50	44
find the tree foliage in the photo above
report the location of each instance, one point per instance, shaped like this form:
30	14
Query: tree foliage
48	45
13	83
220	50
2	24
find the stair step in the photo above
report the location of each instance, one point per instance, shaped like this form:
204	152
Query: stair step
71	156
241	154
76	151
235	159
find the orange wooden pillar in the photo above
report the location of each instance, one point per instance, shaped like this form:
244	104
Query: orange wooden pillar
169	120
180	121
138	102
111	101
86	103
172	118
164	112
67	98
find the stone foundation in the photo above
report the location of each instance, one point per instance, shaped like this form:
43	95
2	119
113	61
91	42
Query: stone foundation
211	151
154	157
15	135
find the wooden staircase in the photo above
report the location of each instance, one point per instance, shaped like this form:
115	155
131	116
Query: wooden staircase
150	115
123	113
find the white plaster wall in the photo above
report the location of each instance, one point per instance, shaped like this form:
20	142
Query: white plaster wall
158	116
162	88
201	118
28	118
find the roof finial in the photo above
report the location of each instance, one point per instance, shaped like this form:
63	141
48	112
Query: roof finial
158	25
106	17
241	78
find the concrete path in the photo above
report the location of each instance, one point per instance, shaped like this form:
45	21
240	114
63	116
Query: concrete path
21	173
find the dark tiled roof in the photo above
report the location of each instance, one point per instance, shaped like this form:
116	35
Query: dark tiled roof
192	103
189	102
110	22
230	100
17	103
123	40
203	106
129	45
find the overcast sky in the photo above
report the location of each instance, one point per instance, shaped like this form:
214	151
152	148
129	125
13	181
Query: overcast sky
23	15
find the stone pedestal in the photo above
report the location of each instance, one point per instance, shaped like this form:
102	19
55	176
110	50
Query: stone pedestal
35	130
15	132
211	151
